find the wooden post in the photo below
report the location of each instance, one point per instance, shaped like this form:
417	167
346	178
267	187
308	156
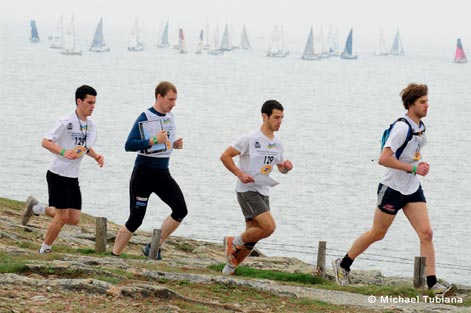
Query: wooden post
154	245
321	258
419	269
100	234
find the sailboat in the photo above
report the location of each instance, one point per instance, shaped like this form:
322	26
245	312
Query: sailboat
164	39
181	42
206	45
323	53
57	39
98	43
135	42
225	43
214	49
276	47
199	50
34	37
348	50
382	50
69	40
397	48
333	43
309	49
460	57
244	40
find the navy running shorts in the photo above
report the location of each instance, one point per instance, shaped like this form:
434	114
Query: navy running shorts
391	201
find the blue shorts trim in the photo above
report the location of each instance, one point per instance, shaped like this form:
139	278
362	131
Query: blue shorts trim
391	201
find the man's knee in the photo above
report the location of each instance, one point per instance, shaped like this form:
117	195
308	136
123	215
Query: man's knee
179	215
378	235
426	235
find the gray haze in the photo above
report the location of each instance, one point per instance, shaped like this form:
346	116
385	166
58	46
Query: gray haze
423	24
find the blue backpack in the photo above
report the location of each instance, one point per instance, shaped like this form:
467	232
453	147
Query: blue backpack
410	134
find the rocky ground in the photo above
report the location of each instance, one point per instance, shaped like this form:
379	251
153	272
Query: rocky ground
74	279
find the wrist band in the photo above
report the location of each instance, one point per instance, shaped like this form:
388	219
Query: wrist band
62	152
155	140
414	169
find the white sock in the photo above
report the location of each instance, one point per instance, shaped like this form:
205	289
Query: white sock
238	241
44	247
39	209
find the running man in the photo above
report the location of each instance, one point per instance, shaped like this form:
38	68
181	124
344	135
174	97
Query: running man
69	139
258	152
151	169
400	188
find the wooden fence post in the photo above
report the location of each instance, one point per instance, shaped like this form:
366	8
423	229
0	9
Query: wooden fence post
321	258
419	269
154	245
100	234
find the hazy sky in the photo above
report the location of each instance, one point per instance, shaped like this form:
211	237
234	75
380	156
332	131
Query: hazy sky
420	21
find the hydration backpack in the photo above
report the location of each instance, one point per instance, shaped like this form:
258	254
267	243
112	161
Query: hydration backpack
409	136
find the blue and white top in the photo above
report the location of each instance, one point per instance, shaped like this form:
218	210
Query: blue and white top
135	143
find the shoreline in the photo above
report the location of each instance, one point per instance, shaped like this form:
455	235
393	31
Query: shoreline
185	260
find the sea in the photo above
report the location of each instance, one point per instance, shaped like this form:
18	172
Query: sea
335	113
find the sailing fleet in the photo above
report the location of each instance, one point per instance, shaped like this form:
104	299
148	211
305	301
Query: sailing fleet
316	48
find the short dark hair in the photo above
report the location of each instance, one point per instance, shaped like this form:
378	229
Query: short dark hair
412	92
82	92
164	87
271	105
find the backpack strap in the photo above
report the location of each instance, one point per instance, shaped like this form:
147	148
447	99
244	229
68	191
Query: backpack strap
409	136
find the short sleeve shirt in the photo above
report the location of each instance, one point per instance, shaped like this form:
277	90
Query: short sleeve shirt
399	180
258	155
68	132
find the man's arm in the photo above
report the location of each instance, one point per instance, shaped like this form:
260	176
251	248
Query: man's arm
387	159
227	158
98	157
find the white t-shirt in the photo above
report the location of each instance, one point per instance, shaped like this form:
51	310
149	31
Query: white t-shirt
405	183
258	154
67	133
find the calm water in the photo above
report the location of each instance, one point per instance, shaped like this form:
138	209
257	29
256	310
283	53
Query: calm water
335	112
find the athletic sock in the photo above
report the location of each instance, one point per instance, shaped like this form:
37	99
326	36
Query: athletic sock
346	262
45	247
238	241
39	209
431	281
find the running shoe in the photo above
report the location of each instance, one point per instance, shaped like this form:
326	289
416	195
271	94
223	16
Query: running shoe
341	274
230	250
146	251
45	251
442	290
228	270
28	212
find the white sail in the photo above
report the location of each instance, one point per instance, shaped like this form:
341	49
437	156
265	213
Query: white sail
397	48
206	44
214	49
309	48
69	40
244	40
56	40
135	42
182	48
225	42
98	43
276	47
199	48
164	38
382	50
